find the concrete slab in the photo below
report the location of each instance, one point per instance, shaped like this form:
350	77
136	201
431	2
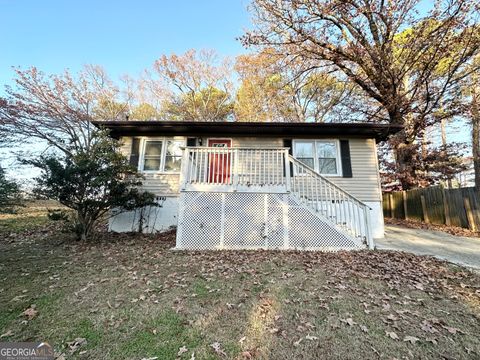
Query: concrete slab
456	249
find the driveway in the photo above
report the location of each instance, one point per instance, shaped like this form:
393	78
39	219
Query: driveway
456	249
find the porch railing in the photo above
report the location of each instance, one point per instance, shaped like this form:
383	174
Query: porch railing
273	170
235	169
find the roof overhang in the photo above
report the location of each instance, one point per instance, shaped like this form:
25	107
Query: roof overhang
380	132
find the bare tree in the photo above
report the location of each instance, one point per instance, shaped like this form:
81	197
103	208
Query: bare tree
409	65
58	108
193	86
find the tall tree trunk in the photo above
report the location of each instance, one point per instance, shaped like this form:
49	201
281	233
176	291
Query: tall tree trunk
475	112
402	147
443	131
403	159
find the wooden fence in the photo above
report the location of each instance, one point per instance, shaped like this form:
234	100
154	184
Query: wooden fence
435	205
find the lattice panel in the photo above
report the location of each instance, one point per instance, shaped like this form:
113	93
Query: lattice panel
310	232
276	226
254	221
199	220
245	221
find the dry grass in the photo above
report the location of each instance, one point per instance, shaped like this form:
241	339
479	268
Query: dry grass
131	297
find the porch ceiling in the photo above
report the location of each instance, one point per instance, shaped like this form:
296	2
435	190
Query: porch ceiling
380	132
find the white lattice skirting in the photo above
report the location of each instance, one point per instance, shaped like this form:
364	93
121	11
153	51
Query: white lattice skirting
209	220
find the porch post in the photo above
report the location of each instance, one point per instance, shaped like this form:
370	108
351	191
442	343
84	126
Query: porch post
286	239
287	170
181	210
368	229
235	169
184	169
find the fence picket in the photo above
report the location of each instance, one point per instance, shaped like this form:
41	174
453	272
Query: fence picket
435	205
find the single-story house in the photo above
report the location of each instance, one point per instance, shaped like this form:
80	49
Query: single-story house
237	185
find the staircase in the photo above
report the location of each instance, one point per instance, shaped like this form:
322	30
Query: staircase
239	198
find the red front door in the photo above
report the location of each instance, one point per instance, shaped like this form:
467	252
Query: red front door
219	163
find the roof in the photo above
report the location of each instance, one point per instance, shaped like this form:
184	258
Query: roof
379	132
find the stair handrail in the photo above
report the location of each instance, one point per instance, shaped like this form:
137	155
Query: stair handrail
364	207
317	174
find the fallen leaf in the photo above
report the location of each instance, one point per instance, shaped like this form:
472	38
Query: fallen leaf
411	339
364	328
296	343
59	356
419	286
19	297
182	350
392	335
311	338
348	321
428	327
31	312
75	344
452	330
392	317
217	348
247	355
7	334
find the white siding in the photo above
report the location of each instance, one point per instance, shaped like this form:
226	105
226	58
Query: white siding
365	183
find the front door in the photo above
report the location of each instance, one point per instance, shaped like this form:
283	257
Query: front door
219	163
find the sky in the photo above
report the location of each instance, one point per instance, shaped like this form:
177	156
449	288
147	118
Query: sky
123	36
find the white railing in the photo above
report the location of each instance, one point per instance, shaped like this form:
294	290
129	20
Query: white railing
235	169
273	170
322	196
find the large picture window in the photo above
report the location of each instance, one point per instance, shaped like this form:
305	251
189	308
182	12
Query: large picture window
320	155
162	155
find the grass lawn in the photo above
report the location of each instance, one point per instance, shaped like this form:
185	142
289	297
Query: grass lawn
130	297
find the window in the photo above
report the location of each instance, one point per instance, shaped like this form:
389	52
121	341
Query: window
162	155
327	157
173	157
304	152
152	158
320	155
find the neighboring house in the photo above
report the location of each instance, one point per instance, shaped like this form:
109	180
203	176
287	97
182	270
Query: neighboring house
257	185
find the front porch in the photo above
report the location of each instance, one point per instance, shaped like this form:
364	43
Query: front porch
252	198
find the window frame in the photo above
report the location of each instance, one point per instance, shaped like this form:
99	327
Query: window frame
163	155
338	161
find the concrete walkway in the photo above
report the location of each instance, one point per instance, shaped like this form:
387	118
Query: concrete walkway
456	249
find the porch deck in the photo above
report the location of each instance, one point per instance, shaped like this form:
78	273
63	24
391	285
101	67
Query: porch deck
264	198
